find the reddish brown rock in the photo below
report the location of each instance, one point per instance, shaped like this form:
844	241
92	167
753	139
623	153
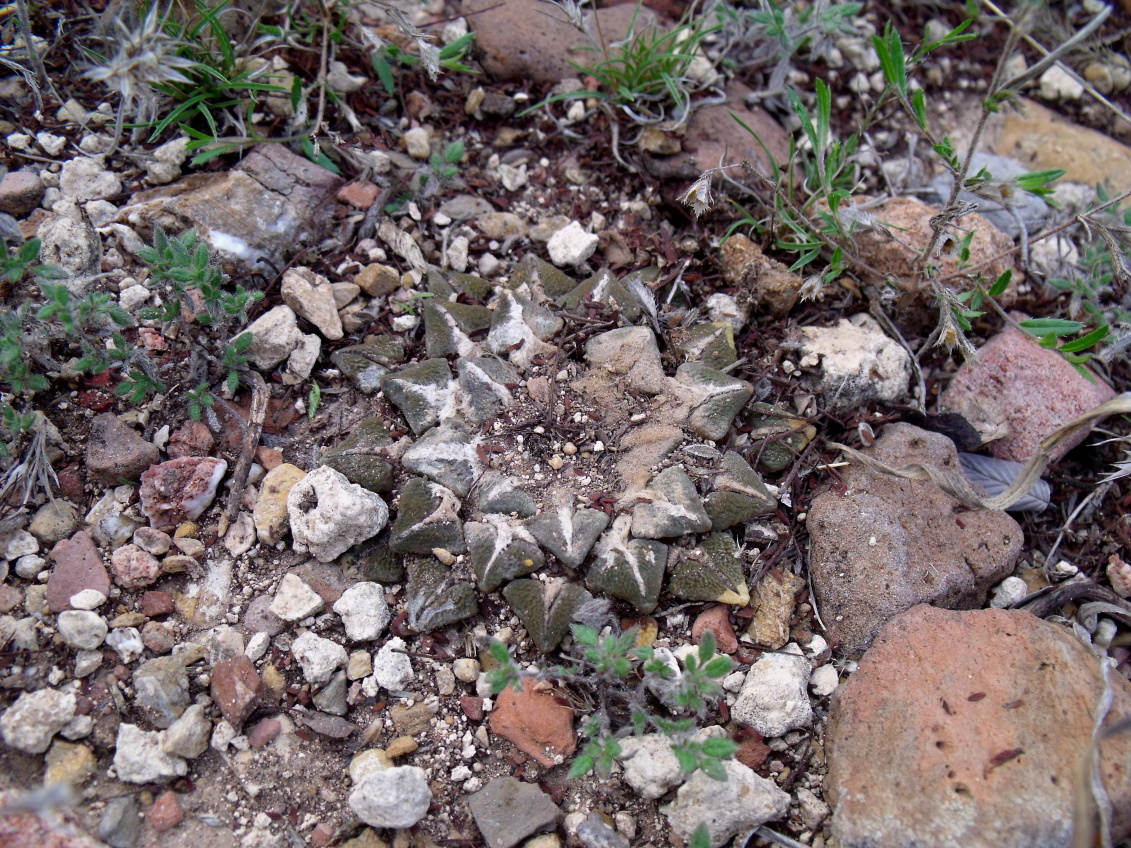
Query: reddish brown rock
1016	393
20	829
152	604
472	707
881	544
158	637
180	489
358	195
268	457
264	732
20	192
70	483
536	723
115	454
166	812
965	729
717	620
236	689
752	751
133	567
192	439
78	566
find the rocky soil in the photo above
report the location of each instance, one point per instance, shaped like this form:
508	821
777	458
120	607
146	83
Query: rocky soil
549	395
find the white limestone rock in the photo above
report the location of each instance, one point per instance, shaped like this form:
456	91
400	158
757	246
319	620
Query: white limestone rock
294	600
31	722
773	699
397	797
329	514
275	334
729	807
138	757
392	668
319	657
571	245
364	611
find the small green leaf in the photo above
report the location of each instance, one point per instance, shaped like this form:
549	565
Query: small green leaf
581	766
1084	342
313	401
687	761
701	838
296	92
584	635
499	652
384	73
29	251
1001	284
714	770
919	107
706	647
1053	326
717	667
719	748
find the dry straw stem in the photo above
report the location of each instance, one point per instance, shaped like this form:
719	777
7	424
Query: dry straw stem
956	485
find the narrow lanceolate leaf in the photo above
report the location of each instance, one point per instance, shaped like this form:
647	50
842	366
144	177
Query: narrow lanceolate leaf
1084	342
1051	326
919	106
1001	284
803	116
824	116
893	63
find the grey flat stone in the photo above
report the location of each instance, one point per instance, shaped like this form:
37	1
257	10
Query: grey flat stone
507	811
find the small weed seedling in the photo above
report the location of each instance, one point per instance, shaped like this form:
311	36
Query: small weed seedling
651	77
819	220
620	677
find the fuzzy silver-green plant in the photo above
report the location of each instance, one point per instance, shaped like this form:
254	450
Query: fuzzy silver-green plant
146	57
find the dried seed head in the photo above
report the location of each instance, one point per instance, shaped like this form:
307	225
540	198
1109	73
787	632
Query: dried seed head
698	196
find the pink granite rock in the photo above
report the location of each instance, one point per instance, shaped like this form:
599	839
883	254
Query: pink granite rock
236	689
965	729
180	489
133	567
1017	393
191	439
78	566
717	620
166	812
526	40
264	732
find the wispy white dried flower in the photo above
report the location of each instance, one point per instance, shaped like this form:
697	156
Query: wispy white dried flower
146	56
573	13
813	288
698	196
